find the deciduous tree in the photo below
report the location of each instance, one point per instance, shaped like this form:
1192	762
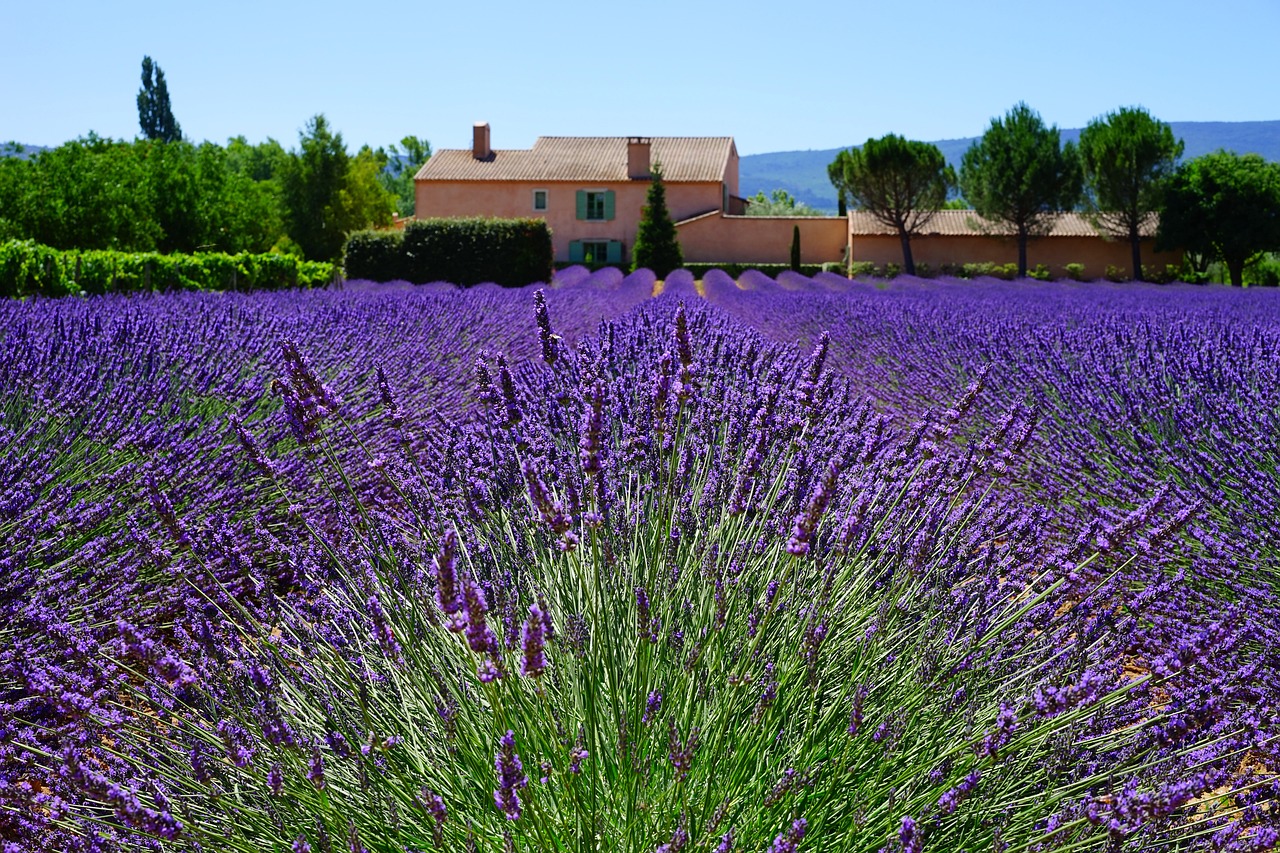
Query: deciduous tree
1224	205
900	182
403	162
1126	158
1020	176
657	247
327	193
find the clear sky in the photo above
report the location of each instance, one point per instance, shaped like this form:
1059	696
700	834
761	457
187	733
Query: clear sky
779	76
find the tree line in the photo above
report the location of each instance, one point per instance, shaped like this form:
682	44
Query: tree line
163	192
1124	173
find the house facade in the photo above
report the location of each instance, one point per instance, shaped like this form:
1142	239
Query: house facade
591	190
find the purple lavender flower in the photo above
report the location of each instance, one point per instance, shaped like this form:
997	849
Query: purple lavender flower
533	642
681	753
511	778
433	804
448	588
275	779
807	522
548	339
652	706
315	769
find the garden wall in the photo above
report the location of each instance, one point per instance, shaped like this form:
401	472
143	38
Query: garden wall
715	237
1054	252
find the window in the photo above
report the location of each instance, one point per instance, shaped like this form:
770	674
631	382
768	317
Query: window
595	205
595	251
539	199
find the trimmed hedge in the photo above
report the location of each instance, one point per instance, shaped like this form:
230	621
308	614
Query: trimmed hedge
375	256
30	269
509	252
771	270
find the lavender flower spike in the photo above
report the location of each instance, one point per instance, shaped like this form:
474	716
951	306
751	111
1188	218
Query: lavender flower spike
533	643
511	778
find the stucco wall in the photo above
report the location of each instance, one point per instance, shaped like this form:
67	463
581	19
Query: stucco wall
515	198
762	239
1054	252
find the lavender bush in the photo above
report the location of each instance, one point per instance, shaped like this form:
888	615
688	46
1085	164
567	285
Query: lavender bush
662	583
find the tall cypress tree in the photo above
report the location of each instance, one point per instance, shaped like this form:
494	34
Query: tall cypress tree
154	113
656	245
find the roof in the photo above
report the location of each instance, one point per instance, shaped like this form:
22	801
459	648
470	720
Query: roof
966	223
584	158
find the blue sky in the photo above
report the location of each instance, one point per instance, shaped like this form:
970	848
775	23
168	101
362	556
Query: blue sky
782	76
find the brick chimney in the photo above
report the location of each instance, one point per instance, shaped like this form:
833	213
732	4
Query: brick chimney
480	148
638	157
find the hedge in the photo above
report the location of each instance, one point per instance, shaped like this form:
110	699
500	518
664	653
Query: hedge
509	252
375	256
30	269
733	270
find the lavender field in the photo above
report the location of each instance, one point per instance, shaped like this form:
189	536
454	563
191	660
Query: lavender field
759	565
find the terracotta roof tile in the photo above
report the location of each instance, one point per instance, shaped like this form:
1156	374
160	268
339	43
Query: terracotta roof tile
959	223
583	158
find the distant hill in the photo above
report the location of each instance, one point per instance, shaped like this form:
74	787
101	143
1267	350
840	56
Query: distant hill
17	149
804	173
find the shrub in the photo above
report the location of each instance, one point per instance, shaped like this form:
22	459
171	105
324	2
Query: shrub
1115	273
508	252
374	255
1075	272
736	269
1040	273
862	268
29	269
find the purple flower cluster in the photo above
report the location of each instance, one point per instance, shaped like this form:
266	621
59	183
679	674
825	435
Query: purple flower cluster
1081	535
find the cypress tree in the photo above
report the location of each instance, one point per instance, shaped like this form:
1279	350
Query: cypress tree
656	245
795	248
154	113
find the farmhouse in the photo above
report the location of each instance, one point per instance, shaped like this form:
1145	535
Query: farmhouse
592	189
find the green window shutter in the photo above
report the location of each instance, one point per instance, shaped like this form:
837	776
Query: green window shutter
582	205
615	251
608	205
575	246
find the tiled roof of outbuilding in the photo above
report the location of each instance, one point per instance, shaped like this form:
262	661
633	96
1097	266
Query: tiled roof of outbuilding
964	223
584	158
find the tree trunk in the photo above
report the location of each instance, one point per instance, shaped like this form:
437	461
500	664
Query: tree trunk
908	263
1235	266
1022	253
1135	241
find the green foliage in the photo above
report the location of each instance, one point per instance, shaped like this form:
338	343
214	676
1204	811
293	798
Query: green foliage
900	182
1116	274
154	112
509	252
328	194
984	269
1019	175
1223	206
375	256
733	270
656	246
779	203
402	164
30	269
1126	158
1040	273
795	248
1075	272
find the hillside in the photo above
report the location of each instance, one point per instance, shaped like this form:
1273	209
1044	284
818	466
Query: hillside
804	173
